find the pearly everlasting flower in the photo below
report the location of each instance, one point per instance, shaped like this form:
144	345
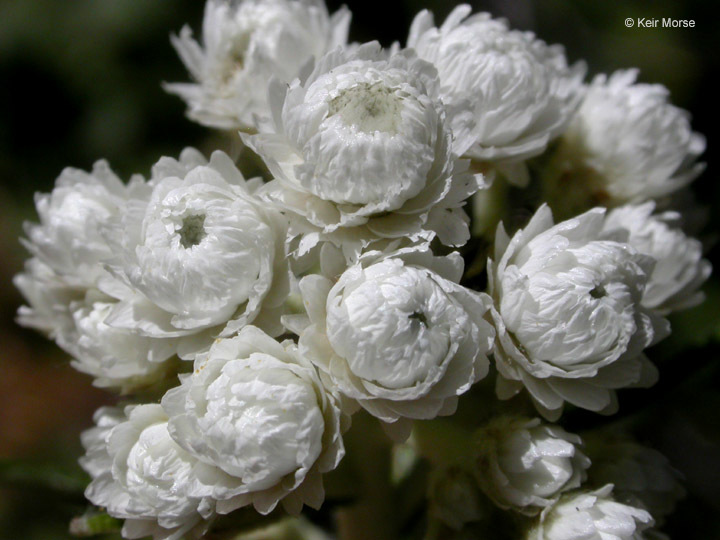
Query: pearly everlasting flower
361	150
74	317
680	269
568	313
258	419
69	237
115	357
525	465
642	476
521	91
398	334
591	515
245	44
140	475
199	251
627	143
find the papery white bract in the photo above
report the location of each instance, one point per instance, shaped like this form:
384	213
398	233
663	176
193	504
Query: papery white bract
627	143
525	465
258	419
140	475
398	334
115	357
361	150
245	44
680	269
591	514
568	312
49	298
521	91
199	251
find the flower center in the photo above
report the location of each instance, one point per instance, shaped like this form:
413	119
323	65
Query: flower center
419	316
369	107
192	231
598	292
235	60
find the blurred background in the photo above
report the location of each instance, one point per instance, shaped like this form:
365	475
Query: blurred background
81	80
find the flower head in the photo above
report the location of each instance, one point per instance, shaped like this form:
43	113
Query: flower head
69	237
245	44
680	269
199	251
256	416
361	150
140	475
569	314
521	91
627	143
591	514
525	465
398	334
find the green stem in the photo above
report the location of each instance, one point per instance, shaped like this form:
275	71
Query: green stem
369	453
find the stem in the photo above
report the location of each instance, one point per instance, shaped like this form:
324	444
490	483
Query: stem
369	453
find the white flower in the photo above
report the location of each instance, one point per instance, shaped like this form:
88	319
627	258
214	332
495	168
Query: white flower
570	323
199	251
115	357
521	91
680	268
525	465
139	474
627	143
246	43
591	515
68	238
398	334
74	317
361	150
257	417
642	476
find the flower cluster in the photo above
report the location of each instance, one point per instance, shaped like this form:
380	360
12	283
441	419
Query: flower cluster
261	314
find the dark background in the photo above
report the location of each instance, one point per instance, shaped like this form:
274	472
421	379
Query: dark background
80	80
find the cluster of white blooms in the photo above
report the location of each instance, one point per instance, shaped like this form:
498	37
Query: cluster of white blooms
261	314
